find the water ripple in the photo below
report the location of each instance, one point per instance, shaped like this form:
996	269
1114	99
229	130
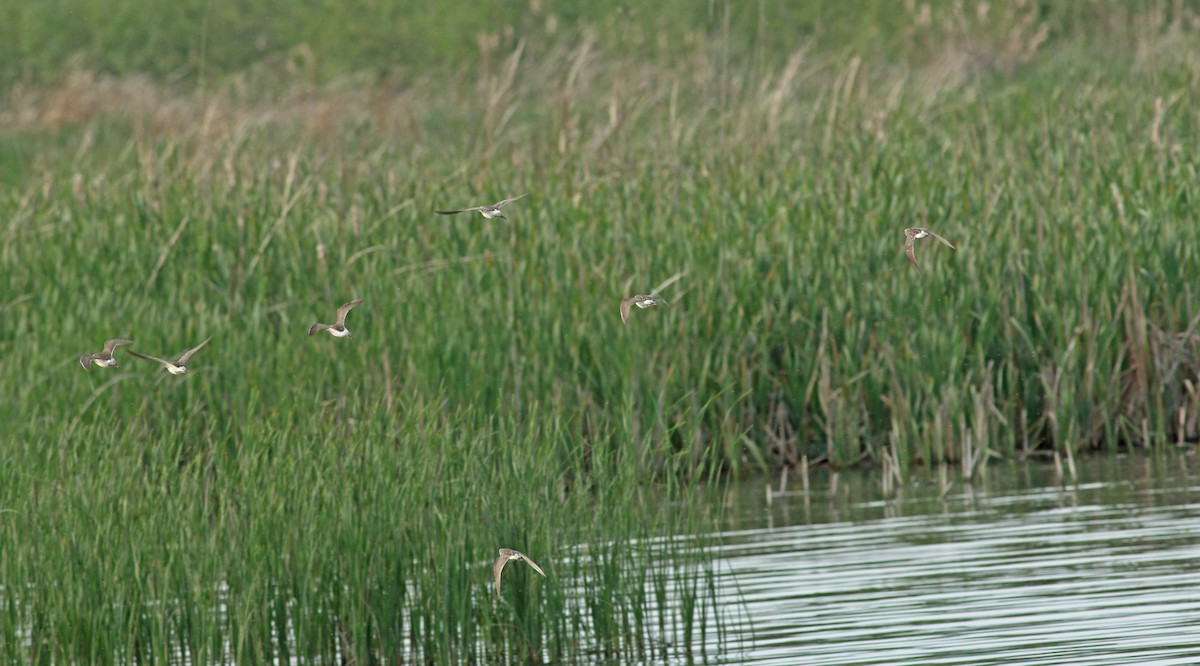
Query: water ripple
995	578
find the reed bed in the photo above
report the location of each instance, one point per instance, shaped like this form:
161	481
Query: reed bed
336	536
325	499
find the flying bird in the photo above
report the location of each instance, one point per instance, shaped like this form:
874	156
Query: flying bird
489	212
179	367
506	555
339	329
914	234
643	301
105	358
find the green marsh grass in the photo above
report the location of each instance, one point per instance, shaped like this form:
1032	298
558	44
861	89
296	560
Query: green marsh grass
315	499
275	544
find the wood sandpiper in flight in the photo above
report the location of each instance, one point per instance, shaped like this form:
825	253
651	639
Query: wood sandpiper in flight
337	330
490	212
105	358
643	301
506	555
179	367
914	234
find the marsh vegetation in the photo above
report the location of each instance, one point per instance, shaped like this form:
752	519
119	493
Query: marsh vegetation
319	497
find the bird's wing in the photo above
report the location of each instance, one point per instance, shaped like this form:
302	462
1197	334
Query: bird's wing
532	564
669	281
908	249
497	568
455	212
317	327
188	354
345	309
110	345
946	242
86	361
505	202
625	303
151	358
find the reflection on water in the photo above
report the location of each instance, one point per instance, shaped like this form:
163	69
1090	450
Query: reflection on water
1017	568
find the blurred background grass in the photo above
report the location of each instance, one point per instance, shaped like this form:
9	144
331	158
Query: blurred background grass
187	40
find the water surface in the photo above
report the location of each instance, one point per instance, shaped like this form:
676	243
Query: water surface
1018	567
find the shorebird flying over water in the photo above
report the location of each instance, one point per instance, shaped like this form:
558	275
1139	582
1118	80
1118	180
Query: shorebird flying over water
643	301
105	358
914	234
179	367
489	212
506	555
339	329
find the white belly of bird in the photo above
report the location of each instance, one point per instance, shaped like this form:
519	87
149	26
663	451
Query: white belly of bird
338	334
105	363
176	369
490	214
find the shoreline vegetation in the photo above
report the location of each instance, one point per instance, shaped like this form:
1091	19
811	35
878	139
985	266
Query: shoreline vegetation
332	499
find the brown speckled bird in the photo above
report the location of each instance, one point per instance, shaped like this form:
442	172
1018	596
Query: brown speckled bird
179	367
338	329
105	358
914	234
489	212
507	554
643	301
